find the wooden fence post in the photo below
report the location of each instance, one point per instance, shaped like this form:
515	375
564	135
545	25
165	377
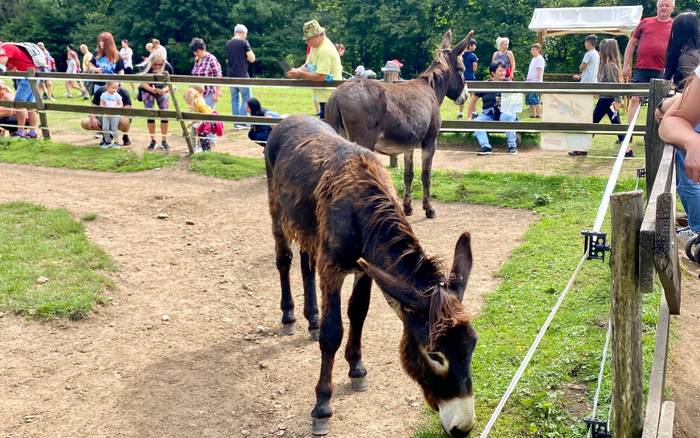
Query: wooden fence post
627	211
176	104
43	119
653	145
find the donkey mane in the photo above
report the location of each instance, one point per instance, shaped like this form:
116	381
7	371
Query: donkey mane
434	74
446	311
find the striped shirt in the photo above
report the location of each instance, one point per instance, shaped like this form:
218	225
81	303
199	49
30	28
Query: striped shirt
208	67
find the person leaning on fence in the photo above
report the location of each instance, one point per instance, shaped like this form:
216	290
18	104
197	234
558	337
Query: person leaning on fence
322	65
259	133
491	103
15	58
239	56
94	123
535	73
683	53
156	93
8	116
680	126
206	64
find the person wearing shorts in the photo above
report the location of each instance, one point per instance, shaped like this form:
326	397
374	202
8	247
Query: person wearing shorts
14	58
535	73
650	40
157	94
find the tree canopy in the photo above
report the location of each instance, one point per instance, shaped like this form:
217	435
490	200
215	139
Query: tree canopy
373	32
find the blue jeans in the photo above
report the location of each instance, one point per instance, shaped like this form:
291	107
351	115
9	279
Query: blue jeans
23	93
239	97
689	192
209	100
489	116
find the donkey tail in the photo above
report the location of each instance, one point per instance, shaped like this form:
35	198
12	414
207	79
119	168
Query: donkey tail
332	113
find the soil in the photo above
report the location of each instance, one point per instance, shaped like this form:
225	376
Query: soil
188	345
683	375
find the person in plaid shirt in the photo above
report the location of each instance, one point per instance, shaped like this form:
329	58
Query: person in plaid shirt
206	65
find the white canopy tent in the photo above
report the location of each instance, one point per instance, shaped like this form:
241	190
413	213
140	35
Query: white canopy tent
614	20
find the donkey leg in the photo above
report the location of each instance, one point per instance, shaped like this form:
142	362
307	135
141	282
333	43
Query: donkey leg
284	262
308	276
407	182
429	146
357	311
329	342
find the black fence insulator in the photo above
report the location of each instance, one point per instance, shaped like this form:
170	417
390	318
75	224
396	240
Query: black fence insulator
595	244
598	428
641	172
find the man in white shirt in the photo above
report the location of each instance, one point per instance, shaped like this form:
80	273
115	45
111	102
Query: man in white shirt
591	62
535	73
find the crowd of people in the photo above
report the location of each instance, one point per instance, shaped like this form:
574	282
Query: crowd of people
665	47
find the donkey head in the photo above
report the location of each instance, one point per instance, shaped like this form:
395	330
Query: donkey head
450	59
438	339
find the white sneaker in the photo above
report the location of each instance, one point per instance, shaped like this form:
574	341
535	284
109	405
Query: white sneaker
197	150
460	115
686	233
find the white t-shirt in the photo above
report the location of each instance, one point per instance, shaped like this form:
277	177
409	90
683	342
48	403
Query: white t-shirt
592	61
127	54
535	63
697	72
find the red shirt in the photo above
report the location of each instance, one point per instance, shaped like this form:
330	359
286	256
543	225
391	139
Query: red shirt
653	36
18	60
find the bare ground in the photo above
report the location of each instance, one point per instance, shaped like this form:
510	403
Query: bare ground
217	367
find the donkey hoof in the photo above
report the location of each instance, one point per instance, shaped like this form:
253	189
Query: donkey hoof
359	384
407	210
430	213
315	334
288	329
320	426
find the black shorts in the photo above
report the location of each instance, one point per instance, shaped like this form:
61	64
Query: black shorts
645	75
128	70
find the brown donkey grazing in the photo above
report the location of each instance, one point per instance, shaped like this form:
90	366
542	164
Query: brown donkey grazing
337	201
394	118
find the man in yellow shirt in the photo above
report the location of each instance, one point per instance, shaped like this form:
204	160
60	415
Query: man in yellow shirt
322	64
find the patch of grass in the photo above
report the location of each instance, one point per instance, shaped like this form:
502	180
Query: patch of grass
222	165
88	217
50	154
48	267
532	279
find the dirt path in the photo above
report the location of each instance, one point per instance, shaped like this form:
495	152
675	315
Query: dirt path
684	367
216	367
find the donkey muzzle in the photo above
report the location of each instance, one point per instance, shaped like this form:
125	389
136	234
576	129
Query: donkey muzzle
457	416
462	97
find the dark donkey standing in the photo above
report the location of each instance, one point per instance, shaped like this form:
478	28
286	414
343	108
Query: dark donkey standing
337	201
394	118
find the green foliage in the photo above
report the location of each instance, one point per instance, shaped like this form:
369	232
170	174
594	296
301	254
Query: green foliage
372	31
226	166
46	153
37	242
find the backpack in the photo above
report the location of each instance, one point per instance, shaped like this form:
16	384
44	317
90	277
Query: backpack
34	52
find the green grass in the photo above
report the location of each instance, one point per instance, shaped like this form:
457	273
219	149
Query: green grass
221	165
50	154
38	242
531	281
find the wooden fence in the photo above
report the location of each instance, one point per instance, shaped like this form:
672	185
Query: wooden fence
447	126
644	243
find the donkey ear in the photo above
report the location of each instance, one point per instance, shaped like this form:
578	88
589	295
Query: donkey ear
395	288
446	40
462	266
462	45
